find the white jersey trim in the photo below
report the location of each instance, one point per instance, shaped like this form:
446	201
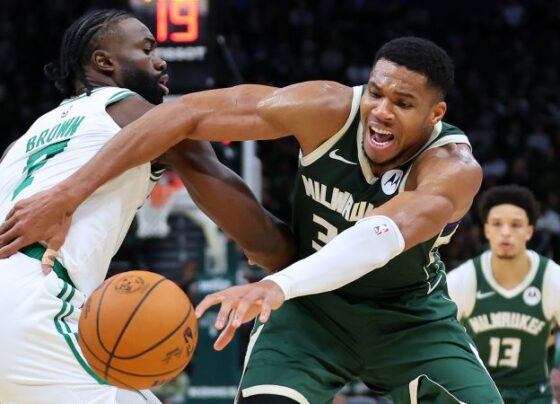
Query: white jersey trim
323	148
486	264
275	390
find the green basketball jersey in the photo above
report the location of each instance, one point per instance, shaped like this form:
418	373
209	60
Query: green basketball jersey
511	333
335	188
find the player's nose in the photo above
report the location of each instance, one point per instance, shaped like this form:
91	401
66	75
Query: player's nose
382	111
160	64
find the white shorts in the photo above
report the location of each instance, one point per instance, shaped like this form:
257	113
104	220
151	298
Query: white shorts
40	359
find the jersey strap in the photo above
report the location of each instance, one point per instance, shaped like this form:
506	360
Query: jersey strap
36	251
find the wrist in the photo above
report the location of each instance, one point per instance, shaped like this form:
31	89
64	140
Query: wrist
70	196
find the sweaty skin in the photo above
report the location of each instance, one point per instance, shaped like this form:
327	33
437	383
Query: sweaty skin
398	100
216	189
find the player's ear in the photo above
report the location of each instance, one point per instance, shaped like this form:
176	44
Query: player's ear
101	60
529	233
438	111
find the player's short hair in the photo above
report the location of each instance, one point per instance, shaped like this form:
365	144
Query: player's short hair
512	195
422	56
78	43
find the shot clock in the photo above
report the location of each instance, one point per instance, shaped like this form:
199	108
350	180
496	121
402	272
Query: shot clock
186	40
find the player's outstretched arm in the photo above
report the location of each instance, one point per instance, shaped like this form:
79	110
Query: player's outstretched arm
228	201
311	111
440	190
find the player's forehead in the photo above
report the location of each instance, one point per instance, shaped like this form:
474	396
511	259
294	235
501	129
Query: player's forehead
394	77
132	31
508	212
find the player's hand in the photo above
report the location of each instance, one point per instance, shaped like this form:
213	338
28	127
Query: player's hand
45	216
240	304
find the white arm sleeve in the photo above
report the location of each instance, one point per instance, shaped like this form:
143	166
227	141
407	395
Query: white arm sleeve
551	292
367	245
461	283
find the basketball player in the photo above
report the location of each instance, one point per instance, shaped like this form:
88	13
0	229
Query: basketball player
377	192
507	298
111	74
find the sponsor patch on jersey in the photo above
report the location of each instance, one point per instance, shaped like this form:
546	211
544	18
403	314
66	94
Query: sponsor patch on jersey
532	296
391	180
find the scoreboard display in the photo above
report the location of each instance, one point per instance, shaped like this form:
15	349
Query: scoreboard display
186	40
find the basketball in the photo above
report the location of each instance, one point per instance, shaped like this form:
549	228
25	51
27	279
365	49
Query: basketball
138	330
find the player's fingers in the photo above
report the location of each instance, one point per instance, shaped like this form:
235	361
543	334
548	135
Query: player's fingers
5	228
206	303
12	247
241	312
223	314
48	260
225	337
266	309
56	241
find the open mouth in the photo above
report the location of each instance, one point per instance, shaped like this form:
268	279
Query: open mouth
162	84
380	138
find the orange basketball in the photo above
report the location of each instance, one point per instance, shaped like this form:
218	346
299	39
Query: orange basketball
138	330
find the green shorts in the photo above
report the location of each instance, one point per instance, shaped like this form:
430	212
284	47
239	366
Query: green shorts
409	346
534	394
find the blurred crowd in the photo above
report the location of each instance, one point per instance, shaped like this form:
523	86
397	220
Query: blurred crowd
506	97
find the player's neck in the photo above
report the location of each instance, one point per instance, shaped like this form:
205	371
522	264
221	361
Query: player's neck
510	272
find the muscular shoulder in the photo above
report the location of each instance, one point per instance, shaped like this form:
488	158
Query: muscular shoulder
450	171
128	109
312	111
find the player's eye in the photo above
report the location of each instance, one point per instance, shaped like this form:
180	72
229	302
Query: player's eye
403	105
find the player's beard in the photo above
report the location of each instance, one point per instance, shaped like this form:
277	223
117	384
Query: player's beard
505	256
144	84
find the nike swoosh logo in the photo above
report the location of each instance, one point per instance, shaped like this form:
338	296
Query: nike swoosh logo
333	155
480	295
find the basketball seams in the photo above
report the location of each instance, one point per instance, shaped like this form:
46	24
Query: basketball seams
98	315
176	336
160	341
123	330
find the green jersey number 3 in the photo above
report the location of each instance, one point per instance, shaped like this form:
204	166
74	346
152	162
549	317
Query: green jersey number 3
38	160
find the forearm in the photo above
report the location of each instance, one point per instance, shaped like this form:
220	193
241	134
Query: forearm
139	142
229	202
362	248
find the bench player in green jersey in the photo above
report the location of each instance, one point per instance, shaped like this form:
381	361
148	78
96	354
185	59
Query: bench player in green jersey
382	183
507	298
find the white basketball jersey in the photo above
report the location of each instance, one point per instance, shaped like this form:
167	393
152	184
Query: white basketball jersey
57	145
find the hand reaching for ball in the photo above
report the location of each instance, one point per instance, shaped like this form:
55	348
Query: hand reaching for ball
240	304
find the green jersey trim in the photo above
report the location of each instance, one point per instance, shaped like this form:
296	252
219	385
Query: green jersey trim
120	96
77	97
324	147
36	251
70	337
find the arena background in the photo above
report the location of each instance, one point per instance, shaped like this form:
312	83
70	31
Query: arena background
506	98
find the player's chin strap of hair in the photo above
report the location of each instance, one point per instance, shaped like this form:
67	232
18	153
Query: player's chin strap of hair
367	245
